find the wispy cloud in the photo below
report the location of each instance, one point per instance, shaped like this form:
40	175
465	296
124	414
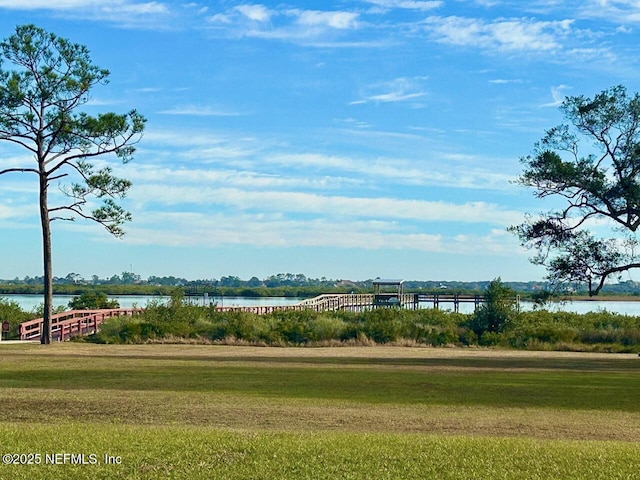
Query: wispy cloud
396	90
274	230
44	4
328	206
106	6
440	167
17	211
444	172
197	7
124	13
202	179
623	11
505	81
352	122
201	111
557	93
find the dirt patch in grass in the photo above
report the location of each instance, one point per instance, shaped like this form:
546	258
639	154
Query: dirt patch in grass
373	352
249	414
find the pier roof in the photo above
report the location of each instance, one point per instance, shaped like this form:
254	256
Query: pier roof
388	281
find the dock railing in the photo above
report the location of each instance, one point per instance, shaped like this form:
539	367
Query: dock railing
338	301
74	322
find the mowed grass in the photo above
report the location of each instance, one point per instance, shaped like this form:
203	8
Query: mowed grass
176	411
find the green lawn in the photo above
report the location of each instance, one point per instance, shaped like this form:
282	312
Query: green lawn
171	411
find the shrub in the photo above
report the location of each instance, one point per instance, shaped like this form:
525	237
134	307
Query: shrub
244	325
291	328
382	325
325	327
497	311
11	312
92	300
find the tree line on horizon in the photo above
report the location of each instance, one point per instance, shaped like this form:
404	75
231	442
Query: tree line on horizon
232	281
298	280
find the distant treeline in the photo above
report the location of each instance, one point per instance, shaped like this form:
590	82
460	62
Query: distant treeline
280	285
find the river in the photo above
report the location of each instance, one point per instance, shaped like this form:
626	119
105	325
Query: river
30	302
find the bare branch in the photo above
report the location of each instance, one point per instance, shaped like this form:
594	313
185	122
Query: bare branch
21	170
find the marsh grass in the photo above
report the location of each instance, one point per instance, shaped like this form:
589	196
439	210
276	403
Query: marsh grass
184	411
180	322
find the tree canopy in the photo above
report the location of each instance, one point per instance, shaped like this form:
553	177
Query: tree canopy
590	167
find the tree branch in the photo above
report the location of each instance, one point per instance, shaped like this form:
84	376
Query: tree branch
604	275
23	170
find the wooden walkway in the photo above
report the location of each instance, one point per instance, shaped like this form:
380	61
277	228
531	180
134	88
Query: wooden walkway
72	323
366	301
85	322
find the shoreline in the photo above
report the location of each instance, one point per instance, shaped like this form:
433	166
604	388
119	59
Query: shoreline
604	298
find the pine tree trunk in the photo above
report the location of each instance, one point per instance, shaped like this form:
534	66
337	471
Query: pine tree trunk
45	332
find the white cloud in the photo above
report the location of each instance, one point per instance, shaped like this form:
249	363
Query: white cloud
624	11
213	151
275	230
337	20
202	179
326	205
445	173
148	8
17	211
353	122
44	4
258	13
107	7
124	13
501	34
504	81
194	145
397	96
312	27
197	7
407	4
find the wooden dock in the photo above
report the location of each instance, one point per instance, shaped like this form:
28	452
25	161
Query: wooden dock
367	301
454	299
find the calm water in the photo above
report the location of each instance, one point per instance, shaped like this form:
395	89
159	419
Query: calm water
29	302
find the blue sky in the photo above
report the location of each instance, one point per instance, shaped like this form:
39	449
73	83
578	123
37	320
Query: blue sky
339	139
